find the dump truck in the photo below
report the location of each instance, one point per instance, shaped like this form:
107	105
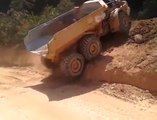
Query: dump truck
72	39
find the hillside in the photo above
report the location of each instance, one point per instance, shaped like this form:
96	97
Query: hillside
109	88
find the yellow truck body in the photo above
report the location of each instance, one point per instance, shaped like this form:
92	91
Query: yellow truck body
55	37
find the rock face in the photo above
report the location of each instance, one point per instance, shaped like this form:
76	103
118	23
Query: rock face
143	30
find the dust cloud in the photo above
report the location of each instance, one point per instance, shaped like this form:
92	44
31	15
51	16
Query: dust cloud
19	57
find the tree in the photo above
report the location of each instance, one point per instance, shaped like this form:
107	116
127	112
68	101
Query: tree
4	5
149	9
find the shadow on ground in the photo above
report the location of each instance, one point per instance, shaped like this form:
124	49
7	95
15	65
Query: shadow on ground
57	87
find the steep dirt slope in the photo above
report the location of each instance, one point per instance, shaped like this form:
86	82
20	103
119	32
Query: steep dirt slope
130	60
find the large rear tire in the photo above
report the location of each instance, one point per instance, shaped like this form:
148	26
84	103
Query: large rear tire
72	65
124	22
90	47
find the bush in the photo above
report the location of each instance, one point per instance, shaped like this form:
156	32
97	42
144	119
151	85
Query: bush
149	9
15	25
4	5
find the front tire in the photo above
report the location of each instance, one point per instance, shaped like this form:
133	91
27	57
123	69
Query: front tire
72	65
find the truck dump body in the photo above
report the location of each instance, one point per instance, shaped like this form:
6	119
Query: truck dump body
42	34
41	39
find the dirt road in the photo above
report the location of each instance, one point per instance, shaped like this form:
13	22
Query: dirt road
29	94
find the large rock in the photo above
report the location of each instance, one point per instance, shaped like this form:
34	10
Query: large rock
138	38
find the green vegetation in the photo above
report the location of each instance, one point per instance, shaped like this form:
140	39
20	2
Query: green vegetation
15	25
149	9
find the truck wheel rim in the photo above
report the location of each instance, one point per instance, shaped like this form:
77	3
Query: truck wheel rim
93	49
76	66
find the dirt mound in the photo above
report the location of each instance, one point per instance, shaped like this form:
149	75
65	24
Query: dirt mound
128	93
128	62
135	57
146	28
